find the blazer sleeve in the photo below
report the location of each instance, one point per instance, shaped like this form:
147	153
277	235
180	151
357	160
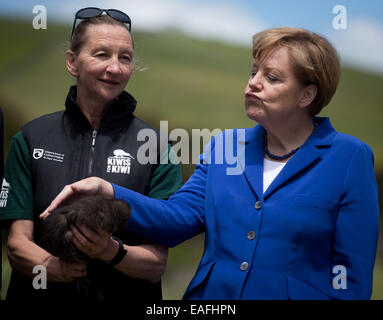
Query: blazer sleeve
357	228
169	222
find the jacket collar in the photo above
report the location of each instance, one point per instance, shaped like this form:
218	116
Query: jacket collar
118	115
322	136
310	152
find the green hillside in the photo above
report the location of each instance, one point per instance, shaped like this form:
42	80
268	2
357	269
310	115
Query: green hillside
189	82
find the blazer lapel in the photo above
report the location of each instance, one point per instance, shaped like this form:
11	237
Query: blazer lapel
301	160
306	155
253	166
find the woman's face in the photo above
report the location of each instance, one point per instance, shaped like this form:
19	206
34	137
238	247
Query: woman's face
273	93
105	63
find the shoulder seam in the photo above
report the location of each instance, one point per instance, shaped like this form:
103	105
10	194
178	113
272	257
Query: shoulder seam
360	148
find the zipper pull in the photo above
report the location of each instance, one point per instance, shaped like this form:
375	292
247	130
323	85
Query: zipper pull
94	135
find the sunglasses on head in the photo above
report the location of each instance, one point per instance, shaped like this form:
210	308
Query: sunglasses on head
91	12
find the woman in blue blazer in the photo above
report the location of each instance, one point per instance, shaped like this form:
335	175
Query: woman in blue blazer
297	216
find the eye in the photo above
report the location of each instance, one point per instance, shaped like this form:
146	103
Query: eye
253	73
126	58
101	55
272	78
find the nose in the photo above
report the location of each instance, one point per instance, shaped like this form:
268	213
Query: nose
255	82
114	66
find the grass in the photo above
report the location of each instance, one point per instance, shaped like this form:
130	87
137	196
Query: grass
377	292
182	264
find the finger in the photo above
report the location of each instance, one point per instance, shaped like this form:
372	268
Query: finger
77	273
81	242
84	248
88	234
95	237
82	269
71	271
85	186
63	195
78	245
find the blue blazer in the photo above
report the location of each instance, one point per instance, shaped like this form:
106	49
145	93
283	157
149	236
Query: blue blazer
320	212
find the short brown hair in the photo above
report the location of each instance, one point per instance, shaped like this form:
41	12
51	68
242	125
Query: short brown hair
78	37
315	60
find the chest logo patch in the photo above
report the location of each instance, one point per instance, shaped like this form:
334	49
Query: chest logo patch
120	162
47	155
4	193
38	153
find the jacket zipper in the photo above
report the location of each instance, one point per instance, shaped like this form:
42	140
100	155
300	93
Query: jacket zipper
91	156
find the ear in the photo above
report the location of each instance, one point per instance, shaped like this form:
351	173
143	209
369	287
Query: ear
71	63
308	95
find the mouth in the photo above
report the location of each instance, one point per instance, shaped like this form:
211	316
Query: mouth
251	96
110	82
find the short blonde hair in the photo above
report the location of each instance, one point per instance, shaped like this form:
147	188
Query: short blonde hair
315	60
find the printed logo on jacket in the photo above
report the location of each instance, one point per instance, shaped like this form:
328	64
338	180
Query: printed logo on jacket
4	193
47	155
120	162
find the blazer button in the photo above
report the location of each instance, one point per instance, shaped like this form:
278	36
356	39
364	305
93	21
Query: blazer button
251	235
244	266
258	205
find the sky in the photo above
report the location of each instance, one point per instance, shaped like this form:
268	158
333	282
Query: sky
356	29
